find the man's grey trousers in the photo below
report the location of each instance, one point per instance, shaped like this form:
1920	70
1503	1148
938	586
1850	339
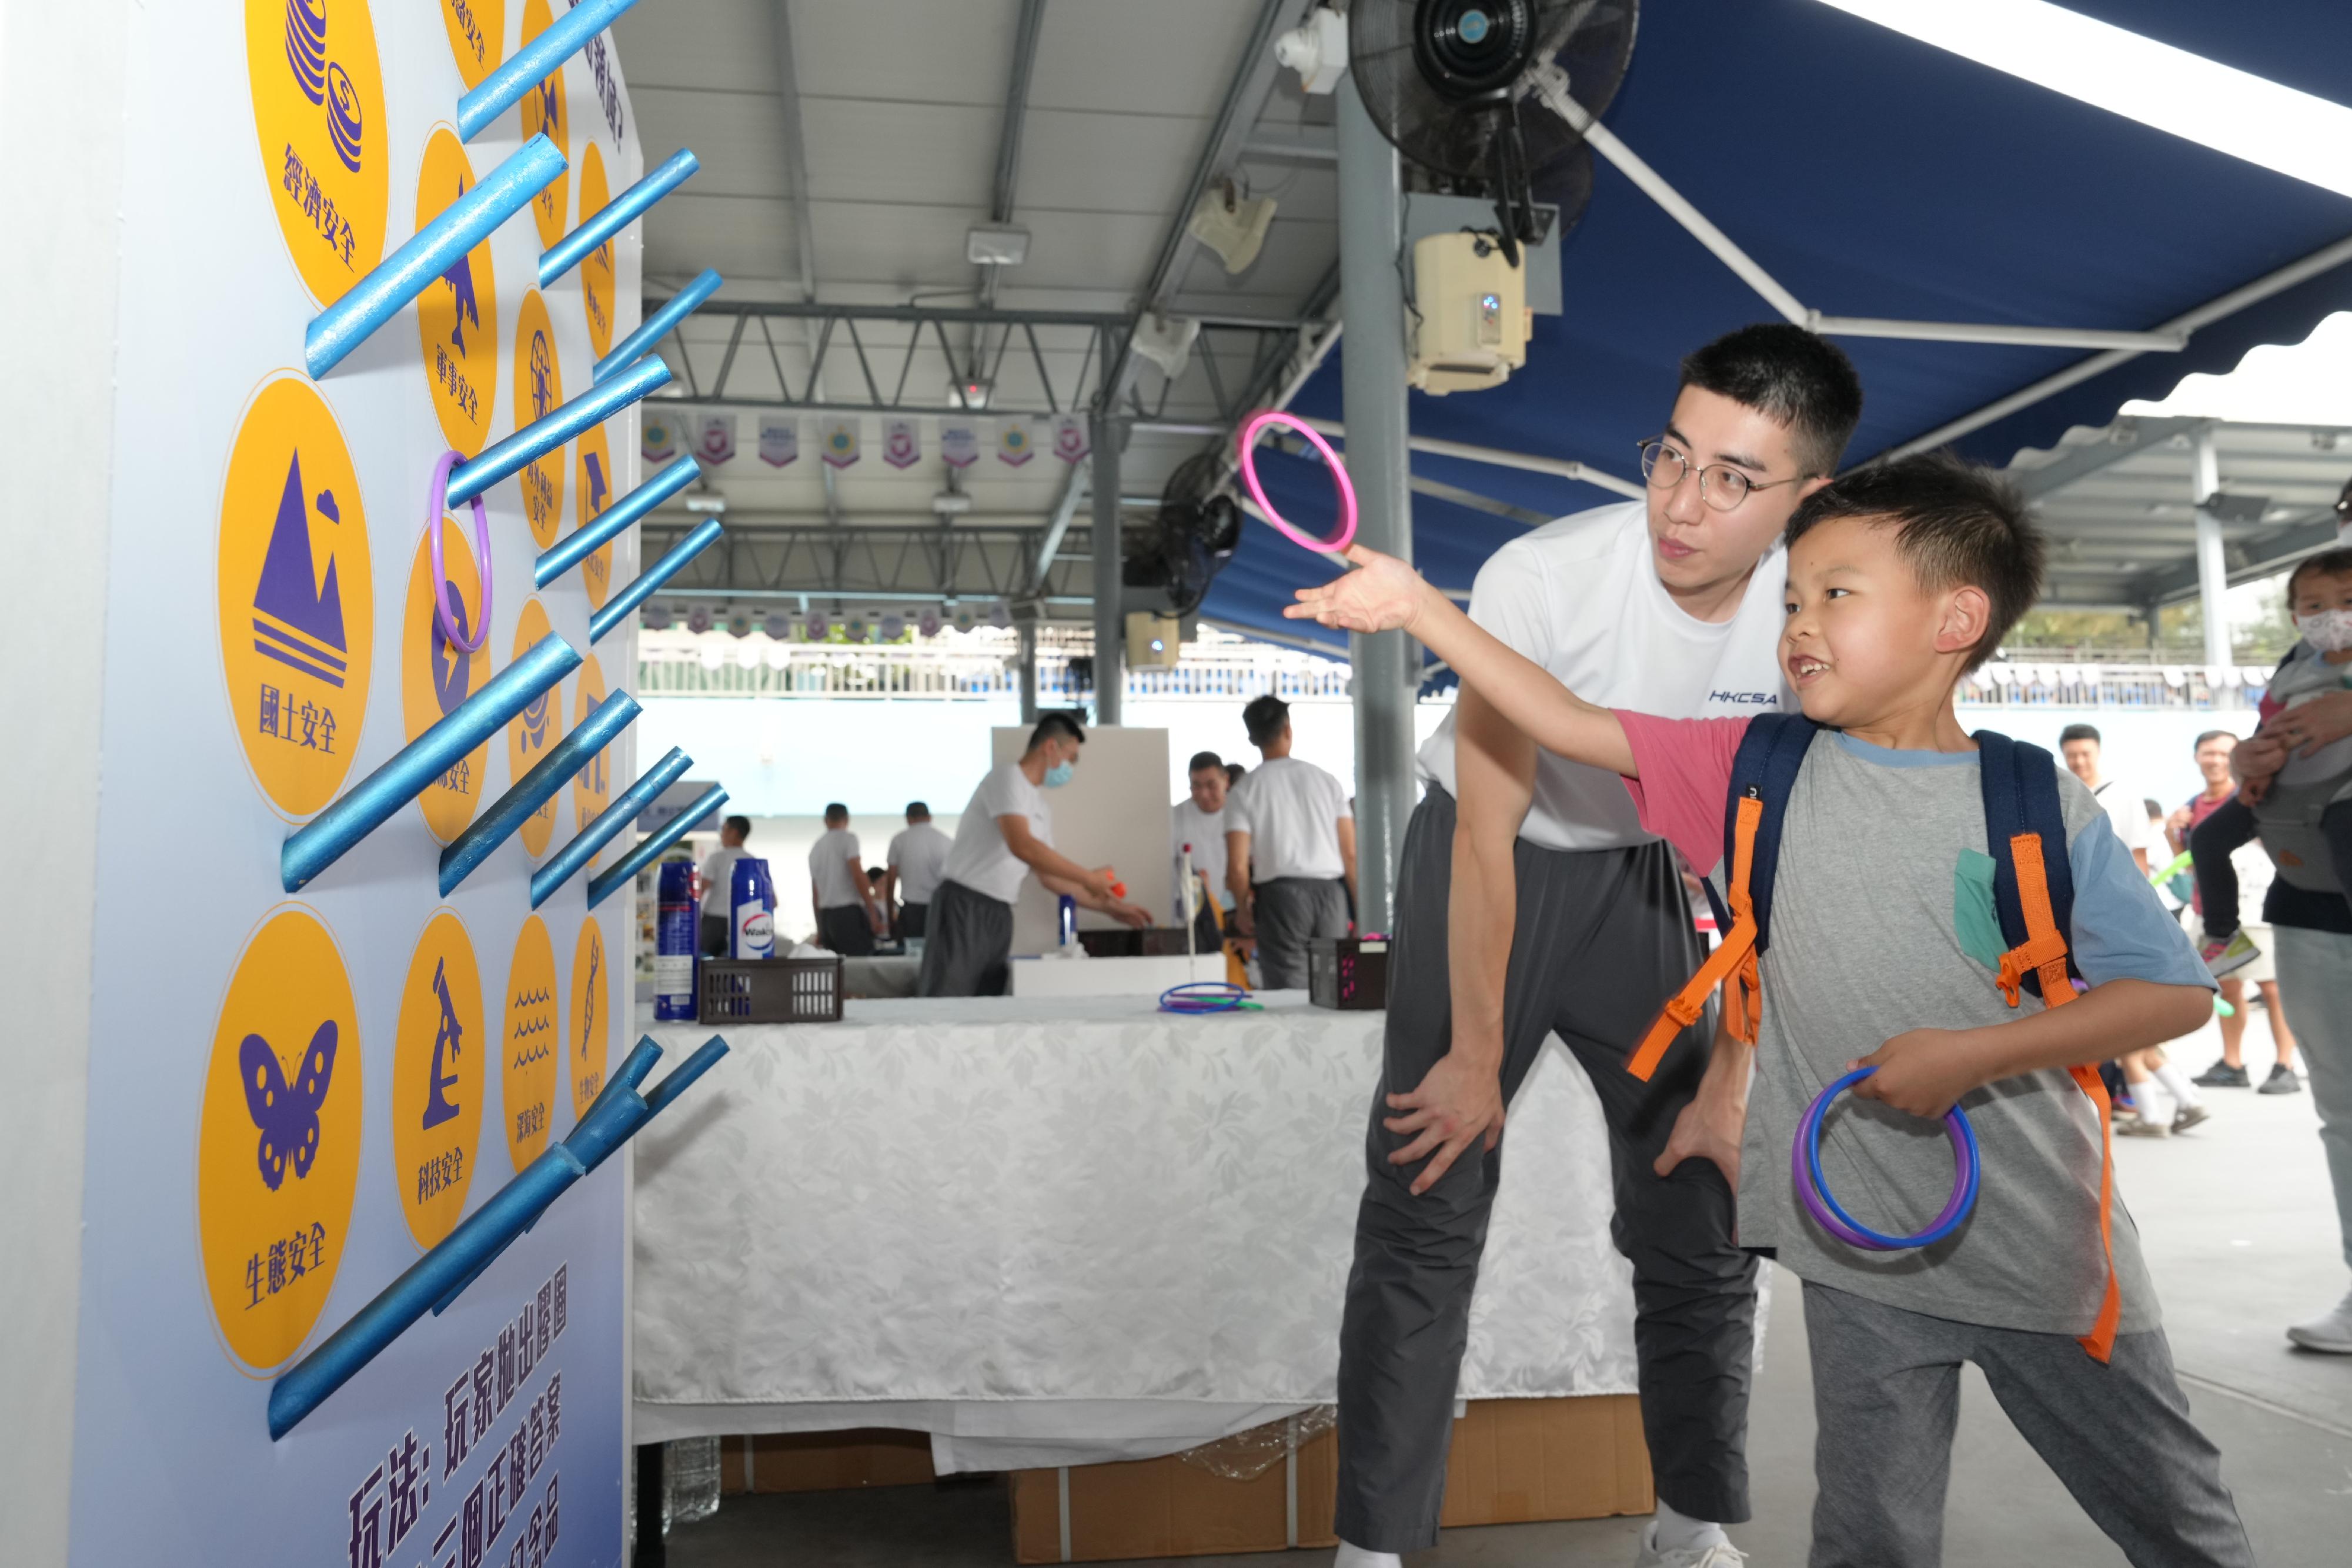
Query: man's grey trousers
1604	937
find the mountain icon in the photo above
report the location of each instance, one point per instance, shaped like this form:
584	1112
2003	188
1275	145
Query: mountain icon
297	618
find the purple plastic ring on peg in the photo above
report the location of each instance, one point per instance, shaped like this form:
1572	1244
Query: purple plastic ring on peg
436	502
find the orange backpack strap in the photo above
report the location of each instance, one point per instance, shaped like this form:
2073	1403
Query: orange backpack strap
2044	955
1732	958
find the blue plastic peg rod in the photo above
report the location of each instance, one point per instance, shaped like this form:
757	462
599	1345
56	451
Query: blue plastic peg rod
436	1280
510	810
600	885
608	525
369	804
648	582
539	58
609	822
615	215
437	247
552	429
657	326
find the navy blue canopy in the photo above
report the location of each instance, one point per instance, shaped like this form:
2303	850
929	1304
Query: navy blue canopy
1873	175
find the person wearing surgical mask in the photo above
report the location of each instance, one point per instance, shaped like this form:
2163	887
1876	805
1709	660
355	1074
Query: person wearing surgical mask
1007	831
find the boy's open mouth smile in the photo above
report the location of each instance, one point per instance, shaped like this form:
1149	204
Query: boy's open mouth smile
1804	667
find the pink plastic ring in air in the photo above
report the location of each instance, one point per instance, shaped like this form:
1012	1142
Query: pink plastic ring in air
436	501
1250	429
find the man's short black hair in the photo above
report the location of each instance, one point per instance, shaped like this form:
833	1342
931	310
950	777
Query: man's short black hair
2074	732
1955	525
1057	724
836	810
1795	378
742	825
2335	562
1265	717
1204	759
1233	771
2199	743
2154	808
918	808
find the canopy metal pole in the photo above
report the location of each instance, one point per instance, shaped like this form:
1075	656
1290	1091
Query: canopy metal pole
1110	626
2212	563
1373	389
1027	633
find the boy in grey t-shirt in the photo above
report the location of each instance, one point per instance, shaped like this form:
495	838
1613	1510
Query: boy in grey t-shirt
1902	578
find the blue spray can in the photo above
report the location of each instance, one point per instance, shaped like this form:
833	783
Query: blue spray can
676	930
1069	921
752	911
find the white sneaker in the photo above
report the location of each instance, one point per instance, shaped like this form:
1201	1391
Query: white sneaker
2330	1332
1717	1554
1357	1557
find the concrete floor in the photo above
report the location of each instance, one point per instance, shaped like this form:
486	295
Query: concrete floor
2240	1232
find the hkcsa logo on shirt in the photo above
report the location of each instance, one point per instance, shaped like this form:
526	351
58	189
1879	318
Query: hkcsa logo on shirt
1746	699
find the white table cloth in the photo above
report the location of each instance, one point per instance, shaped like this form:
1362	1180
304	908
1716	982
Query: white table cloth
1057	1230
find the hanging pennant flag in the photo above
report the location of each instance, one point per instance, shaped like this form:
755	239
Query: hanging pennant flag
780	441
840	441
959	442
902	443
893	628
659	435
819	625
928	622
1070	437
698	619
963	618
714	440
1012	441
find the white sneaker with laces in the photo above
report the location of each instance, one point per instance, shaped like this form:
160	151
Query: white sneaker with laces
1713	1555
1357	1557
2330	1332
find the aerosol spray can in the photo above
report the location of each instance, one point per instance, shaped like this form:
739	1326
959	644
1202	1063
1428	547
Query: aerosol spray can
676	933
1068	921
752	911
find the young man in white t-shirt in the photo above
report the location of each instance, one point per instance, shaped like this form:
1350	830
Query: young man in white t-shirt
918	858
1198	822
1541	870
1290	850
1006	832
848	914
717	873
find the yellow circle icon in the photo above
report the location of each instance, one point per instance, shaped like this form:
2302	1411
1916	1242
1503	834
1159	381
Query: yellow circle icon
592	992
296	600
544	114
597	275
531	733
538	390
534	1037
318	113
457	314
437	675
592	786
437	1079
596	482
277	1151
477	31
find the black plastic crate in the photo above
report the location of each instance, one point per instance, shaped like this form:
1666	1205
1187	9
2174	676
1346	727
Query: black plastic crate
1349	973
768	991
1126	942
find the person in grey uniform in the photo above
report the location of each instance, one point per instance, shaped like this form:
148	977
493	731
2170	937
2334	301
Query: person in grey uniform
1006	832
1531	902
1290	850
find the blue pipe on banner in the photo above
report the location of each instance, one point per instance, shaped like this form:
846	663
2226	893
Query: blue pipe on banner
552	429
542	57
648	581
535	789
608	524
600	885
615	215
460	1257
609	821
369	804
657	326
437	247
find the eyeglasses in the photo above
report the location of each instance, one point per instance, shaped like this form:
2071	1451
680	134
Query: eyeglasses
1719	487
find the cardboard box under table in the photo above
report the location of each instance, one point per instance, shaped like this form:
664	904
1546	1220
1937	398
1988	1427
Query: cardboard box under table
1070	1232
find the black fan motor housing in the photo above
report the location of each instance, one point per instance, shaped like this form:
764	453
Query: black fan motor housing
1470	50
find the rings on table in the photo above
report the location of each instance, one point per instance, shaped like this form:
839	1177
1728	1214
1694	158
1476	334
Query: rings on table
436	501
1205	996
1805	1171
1251	427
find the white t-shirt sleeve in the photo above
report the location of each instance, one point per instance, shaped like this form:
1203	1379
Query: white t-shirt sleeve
1510	598
1340	809
1237	818
2127	815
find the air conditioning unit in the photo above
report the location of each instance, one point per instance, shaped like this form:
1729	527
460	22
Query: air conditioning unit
1153	641
1474	313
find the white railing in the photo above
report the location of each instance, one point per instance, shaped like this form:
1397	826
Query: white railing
2026	683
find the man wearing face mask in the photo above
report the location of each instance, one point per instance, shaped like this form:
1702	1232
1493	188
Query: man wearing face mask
1007	831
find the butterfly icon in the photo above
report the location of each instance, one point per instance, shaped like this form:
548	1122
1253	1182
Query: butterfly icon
287	1118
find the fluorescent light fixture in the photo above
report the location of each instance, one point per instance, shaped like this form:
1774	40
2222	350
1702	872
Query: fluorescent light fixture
697	502
2171	90
987	244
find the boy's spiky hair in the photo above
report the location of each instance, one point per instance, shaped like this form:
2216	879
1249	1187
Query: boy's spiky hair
1956	523
2336	562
